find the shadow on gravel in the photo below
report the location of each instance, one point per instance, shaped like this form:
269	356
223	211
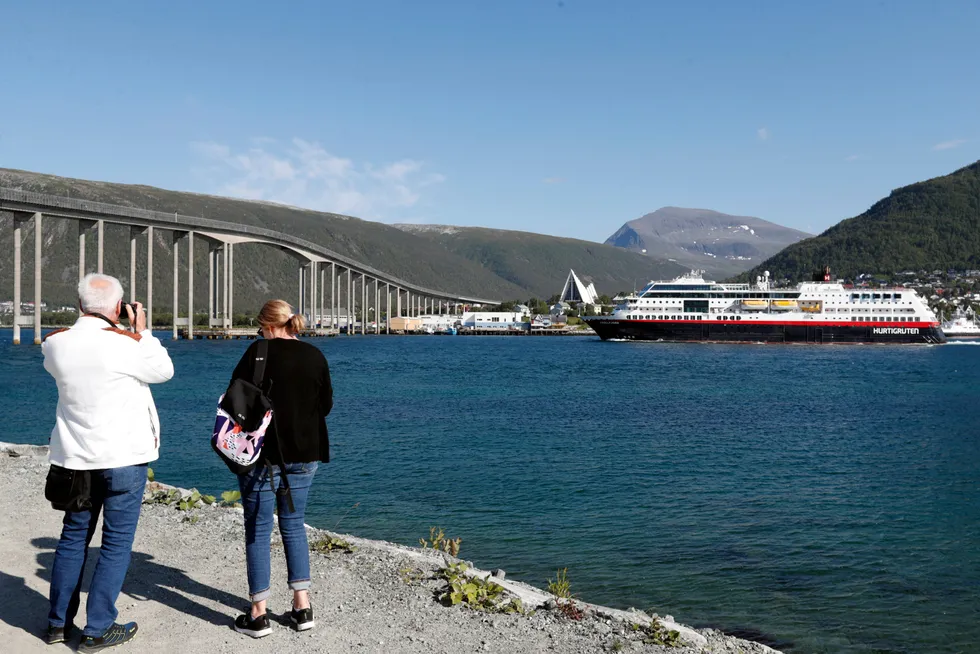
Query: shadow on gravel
150	581
22	607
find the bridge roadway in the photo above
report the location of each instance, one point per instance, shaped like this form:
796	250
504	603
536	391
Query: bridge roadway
314	262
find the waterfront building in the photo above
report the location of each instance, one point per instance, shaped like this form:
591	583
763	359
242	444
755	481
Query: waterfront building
502	320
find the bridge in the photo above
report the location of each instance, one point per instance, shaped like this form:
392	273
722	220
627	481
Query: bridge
317	266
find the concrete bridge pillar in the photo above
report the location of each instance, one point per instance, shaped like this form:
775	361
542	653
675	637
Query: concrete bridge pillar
38	245
176	297
231	284
312	307
100	229
210	283
133	233
224	285
301	268
149	278
190	286
333	294
84	226
20	320
17	300
350	302
377	308
16	335
323	295
388	309
364	307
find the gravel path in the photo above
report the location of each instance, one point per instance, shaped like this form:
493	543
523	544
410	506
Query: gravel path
187	582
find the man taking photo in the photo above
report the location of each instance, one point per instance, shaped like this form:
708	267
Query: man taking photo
106	432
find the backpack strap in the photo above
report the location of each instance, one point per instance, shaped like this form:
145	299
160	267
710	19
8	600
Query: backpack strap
258	377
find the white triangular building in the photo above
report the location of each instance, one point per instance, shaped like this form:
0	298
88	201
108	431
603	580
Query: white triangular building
575	292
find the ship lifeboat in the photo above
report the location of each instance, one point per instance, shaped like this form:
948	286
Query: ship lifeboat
755	305
784	305
811	306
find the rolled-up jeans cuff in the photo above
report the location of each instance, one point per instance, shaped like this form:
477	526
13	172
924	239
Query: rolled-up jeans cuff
260	596
303	584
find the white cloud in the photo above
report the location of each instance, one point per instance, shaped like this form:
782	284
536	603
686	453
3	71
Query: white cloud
553	180
853	157
762	133
302	173
949	145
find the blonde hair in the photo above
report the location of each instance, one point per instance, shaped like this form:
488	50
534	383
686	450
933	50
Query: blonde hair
278	313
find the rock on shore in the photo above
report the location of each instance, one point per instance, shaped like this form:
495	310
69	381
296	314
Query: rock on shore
187	582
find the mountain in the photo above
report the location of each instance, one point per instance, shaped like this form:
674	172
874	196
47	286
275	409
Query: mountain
540	264
531	265
720	244
929	225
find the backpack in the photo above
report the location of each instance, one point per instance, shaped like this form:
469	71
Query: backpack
243	416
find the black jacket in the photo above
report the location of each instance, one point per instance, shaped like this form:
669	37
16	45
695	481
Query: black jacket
297	380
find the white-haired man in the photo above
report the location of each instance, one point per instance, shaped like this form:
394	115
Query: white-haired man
106	424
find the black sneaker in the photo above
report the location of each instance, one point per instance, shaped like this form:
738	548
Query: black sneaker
55	635
254	627
302	619
117	634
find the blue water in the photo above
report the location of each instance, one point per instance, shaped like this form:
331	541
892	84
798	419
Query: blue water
824	499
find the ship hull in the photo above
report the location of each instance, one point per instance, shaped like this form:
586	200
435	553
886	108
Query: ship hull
765	332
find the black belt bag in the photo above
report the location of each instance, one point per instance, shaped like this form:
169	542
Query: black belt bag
68	490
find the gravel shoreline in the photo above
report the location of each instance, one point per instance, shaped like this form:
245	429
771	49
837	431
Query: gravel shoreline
187	582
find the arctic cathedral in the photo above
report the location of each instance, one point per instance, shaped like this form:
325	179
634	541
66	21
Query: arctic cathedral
575	292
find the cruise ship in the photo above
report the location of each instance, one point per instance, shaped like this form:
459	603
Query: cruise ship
691	308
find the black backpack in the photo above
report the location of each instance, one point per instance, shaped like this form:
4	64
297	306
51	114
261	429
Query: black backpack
247	403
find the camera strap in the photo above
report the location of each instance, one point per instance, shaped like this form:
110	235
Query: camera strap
92	314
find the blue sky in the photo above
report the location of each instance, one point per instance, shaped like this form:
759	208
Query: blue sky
566	118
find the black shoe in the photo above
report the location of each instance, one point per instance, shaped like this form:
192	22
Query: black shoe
302	619
55	635
117	634
254	627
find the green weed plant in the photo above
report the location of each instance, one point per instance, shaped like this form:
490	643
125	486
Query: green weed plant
438	541
327	544
476	593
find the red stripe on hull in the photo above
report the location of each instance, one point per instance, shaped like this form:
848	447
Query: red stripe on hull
789	323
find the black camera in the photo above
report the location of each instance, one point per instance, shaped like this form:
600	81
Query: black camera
122	310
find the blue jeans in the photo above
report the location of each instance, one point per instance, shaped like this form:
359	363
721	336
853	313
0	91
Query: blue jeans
118	494
258	499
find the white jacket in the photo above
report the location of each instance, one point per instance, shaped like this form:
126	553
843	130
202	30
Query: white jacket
106	417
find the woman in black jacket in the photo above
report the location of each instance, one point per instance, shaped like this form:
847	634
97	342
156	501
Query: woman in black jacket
297	380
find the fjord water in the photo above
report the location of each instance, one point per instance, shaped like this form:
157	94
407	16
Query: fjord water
821	499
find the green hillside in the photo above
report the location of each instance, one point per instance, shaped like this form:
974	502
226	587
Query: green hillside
929	225
540	263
